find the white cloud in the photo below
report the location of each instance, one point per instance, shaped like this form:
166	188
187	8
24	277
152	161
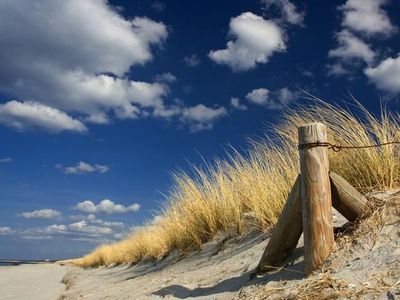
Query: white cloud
258	96
367	17
97	118
30	116
94	220
86	228
77	65
285	96
41	214
166	77
235	103
82	168
351	47
78	231
83	226
254	41
386	75
192	60
201	117
6	160
288	10
105	206
6	230
272	100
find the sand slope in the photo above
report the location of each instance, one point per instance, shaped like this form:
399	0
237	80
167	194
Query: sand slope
365	263
33	282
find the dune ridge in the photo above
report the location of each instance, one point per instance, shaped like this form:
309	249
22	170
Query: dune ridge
250	189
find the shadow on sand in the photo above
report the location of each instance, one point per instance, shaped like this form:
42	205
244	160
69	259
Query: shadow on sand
292	271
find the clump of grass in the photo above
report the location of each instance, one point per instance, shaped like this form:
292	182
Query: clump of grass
218	197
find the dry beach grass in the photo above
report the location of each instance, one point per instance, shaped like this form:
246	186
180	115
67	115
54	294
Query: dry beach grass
221	196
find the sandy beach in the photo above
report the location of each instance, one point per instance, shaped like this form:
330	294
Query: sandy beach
32	281
365	264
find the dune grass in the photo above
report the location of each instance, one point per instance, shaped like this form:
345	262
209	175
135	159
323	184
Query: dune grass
220	196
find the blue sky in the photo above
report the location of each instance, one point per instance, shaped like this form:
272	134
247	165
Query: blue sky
101	100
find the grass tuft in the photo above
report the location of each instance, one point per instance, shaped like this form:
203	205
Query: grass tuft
221	196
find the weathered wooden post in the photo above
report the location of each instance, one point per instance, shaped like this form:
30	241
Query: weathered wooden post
346	199
286	233
308	208
316	196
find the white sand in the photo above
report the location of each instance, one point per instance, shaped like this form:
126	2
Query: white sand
33	282
221	270
366	262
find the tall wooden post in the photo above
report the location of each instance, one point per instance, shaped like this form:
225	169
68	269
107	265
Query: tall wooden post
316	196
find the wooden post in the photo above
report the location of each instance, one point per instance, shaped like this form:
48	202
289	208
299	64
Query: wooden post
286	233
316	197
346	199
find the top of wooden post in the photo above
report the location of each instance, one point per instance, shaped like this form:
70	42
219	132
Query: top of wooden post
313	133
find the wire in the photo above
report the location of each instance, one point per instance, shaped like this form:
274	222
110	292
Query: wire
337	148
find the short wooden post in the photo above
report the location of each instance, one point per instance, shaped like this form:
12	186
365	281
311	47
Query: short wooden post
316	196
346	199
286	233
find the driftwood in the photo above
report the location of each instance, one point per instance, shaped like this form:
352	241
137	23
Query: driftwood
346	199
316	197
286	233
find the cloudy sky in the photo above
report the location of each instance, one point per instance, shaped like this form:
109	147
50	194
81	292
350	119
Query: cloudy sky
101	100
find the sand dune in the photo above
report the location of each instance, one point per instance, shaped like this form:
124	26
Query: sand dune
366	261
364	265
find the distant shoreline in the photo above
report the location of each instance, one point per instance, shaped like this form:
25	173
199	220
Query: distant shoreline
17	262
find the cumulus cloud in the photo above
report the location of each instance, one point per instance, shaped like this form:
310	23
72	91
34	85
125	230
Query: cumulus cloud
258	96
166	77
86	228
83	226
6	160
272	100
78	231
367	17
254	41
78	66
235	103
6	230
82	168
97	118
362	19
386	75
192	60
94	220
288	10
41	214
105	206
77	72
31	116
201	117
351	47
285	96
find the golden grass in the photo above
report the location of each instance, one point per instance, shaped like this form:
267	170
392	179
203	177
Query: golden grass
216	197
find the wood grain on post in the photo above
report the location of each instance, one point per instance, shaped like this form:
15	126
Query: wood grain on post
346	199
285	234
316	197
